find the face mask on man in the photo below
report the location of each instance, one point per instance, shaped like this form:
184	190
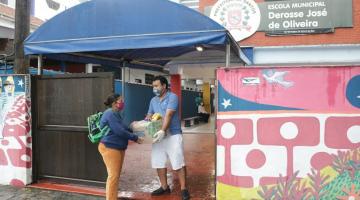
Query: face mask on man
156	91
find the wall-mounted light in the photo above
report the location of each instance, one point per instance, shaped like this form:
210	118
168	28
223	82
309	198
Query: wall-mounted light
199	82
199	48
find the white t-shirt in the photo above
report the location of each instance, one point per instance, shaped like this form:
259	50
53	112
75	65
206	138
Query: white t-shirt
201	109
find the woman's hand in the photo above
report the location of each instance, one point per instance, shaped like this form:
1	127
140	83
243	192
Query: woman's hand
148	117
140	140
132	125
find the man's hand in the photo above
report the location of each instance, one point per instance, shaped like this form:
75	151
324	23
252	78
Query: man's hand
158	136
148	117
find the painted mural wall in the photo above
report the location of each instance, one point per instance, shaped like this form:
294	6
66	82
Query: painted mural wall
15	130
288	133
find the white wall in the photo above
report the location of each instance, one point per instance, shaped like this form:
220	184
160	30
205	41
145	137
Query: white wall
308	55
189	84
7	24
132	74
11	3
44	12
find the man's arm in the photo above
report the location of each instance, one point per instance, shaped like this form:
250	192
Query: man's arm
118	128
170	111
167	119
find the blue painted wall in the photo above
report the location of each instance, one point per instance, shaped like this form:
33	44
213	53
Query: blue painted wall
118	87
189	108
137	99
33	71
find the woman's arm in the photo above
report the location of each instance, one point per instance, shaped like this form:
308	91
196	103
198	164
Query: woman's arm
117	127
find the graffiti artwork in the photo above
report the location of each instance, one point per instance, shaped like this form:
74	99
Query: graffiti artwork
288	133
15	130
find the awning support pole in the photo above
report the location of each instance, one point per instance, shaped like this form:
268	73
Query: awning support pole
123	80
228	49
39	59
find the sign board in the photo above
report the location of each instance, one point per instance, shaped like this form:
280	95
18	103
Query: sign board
244	17
304	16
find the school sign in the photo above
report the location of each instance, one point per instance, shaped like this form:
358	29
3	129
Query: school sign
245	17
304	16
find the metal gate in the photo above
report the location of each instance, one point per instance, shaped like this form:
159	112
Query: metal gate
61	104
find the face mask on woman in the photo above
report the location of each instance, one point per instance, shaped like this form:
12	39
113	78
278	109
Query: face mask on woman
120	105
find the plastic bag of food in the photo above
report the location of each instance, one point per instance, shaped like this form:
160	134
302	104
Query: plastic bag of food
153	127
139	126
147	128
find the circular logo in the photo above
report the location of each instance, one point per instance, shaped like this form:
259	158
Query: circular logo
240	17
353	91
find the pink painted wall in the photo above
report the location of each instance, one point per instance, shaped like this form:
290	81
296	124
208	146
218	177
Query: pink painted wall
311	89
283	120
15	130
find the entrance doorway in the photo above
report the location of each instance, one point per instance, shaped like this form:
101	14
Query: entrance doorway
61	104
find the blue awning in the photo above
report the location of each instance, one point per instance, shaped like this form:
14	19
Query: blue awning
140	31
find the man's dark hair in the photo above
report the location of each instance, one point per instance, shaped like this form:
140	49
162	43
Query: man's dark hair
162	80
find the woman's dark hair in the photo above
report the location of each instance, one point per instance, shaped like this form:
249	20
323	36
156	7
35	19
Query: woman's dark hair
162	80
111	99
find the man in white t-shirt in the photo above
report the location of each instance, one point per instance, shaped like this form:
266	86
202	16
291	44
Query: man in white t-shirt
168	142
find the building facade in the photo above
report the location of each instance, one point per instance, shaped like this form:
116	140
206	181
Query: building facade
334	34
288	117
41	10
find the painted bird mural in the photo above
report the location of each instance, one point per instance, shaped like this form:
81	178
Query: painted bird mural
272	76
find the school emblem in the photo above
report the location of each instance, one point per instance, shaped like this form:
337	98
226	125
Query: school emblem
240	17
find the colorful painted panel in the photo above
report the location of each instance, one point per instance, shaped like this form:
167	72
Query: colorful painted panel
15	130
288	133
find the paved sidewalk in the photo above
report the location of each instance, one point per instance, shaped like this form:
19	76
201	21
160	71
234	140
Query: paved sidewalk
13	193
138	179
